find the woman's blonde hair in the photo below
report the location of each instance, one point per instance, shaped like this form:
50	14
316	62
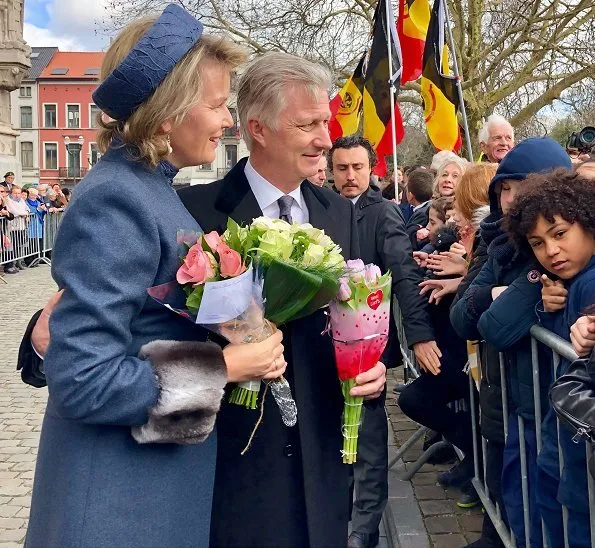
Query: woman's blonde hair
472	191
461	163
172	99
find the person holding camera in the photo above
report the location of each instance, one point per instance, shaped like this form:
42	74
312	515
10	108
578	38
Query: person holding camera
580	145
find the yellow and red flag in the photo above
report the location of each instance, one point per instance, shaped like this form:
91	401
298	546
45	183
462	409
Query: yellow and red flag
412	28
347	104
379	76
438	88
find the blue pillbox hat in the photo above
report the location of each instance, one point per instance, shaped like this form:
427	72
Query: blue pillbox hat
148	63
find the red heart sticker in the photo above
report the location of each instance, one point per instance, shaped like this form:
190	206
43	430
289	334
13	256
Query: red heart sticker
374	299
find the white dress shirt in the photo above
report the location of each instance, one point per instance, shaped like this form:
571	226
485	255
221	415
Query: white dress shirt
267	195
415	208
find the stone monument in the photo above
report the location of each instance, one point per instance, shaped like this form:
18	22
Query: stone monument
14	63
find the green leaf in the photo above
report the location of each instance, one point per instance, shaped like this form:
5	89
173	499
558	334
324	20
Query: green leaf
234	235
291	293
194	299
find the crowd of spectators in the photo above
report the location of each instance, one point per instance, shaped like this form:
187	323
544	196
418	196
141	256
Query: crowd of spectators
501	244
22	216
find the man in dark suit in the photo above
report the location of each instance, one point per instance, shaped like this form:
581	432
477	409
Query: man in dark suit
290	490
419	194
384	242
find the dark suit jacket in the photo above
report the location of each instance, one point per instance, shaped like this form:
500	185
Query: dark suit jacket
418	219
290	490
384	242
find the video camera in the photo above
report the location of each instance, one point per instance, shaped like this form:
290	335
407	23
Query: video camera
583	140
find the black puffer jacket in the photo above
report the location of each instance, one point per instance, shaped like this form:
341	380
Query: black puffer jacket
490	389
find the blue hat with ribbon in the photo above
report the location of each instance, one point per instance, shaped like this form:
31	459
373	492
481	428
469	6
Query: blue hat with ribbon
148	63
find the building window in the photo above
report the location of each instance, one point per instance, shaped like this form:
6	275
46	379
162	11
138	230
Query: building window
231	156
205	167
73	116
27	154
49	116
26	117
25	91
93	154
93	110
51	155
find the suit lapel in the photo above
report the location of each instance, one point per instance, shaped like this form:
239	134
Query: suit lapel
319	211
236	199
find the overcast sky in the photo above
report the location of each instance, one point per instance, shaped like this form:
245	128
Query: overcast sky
71	25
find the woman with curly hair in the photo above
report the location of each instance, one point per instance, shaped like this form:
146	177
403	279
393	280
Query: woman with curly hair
554	216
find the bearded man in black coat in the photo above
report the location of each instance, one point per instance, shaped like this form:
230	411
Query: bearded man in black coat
290	490
384	242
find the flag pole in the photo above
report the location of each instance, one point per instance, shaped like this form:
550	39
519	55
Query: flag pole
458	82
389	37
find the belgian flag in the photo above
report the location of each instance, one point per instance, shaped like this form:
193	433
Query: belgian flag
438	89
378	78
347	104
412	27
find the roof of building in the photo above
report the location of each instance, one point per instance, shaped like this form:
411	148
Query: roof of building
73	65
40	57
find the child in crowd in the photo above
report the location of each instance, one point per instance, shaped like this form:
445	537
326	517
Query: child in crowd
554	216
419	194
440	212
499	307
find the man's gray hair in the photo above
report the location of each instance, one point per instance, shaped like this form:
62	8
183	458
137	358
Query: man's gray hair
493	120
262	87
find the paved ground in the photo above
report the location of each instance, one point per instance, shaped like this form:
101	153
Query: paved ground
21	406
433	519
422	514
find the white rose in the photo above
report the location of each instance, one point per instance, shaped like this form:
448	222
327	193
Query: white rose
263	223
325	241
313	256
334	259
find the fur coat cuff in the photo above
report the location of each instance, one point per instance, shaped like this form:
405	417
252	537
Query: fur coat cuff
191	377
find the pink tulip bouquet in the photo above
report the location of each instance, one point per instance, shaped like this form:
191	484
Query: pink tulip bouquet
359	328
245	282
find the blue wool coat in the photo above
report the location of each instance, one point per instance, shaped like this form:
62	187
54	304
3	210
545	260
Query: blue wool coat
572	486
95	486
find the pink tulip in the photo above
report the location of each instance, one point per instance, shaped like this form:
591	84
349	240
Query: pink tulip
344	293
371	274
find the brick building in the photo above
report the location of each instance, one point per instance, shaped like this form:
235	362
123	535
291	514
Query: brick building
67	114
55	114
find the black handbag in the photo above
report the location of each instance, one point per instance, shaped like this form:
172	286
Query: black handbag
29	363
573	399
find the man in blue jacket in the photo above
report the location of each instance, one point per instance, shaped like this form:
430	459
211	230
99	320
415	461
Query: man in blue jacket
499	307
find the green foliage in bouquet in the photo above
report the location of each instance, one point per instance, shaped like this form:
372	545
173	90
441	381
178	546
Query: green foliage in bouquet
291	293
301	266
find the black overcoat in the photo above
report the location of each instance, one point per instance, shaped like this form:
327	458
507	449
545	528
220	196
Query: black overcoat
384	242
290	490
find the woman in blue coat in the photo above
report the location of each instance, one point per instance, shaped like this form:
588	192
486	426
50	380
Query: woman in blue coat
126	456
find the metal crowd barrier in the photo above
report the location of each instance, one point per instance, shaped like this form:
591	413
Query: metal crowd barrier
23	238
558	348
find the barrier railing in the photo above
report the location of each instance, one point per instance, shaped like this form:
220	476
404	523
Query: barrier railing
28	238
559	348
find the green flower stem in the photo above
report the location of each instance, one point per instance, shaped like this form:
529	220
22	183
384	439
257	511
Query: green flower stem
352	413
241	396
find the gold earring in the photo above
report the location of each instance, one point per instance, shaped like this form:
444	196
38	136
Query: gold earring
169	149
